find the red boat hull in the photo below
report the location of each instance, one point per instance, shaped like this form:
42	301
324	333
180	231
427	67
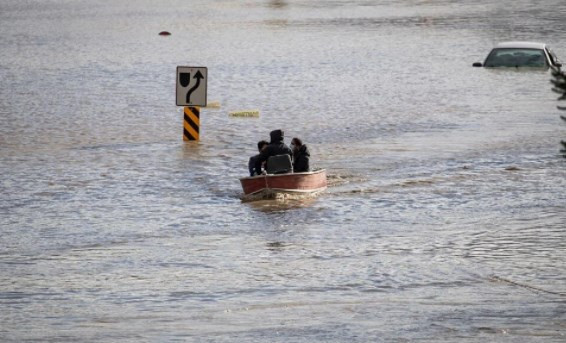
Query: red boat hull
294	182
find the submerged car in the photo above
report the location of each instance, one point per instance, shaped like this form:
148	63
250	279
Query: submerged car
520	54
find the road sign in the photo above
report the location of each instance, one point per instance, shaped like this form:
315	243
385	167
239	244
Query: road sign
191	123
191	86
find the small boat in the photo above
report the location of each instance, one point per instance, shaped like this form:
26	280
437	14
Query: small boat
271	185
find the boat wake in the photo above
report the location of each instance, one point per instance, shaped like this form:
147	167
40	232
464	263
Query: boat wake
279	196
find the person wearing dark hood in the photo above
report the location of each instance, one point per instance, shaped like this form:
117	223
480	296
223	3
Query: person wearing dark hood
301	156
275	147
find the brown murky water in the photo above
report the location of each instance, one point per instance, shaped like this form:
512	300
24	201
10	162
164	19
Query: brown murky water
446	217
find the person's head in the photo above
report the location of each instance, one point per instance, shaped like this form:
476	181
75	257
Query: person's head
261	145
296	143
276	136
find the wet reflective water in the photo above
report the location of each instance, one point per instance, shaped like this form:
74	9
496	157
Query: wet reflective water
446	216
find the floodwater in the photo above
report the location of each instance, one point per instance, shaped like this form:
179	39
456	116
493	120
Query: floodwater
445	222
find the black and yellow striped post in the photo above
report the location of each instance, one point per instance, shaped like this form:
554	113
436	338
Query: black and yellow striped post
191	123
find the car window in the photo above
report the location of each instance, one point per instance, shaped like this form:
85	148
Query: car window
515	57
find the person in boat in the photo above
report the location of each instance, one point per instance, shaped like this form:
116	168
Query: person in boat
261	145
301	156
275	147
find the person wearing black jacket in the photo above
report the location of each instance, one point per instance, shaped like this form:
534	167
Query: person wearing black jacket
261	145
276	147
301	156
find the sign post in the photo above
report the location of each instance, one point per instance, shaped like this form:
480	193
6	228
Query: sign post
191	93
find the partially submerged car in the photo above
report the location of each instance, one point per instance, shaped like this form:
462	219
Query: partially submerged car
519	55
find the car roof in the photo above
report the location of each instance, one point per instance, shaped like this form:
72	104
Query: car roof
521	45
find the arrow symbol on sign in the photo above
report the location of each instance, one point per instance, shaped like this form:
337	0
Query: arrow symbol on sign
198	76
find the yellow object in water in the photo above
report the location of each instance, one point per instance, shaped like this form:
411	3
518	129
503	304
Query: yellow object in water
213	104
245	114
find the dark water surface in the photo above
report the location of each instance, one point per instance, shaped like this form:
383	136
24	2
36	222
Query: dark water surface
446	221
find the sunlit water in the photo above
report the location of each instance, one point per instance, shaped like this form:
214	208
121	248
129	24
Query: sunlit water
445	221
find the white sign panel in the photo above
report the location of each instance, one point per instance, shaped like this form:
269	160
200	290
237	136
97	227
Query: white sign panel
191	86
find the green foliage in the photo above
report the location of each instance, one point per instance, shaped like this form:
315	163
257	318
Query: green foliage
559	86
